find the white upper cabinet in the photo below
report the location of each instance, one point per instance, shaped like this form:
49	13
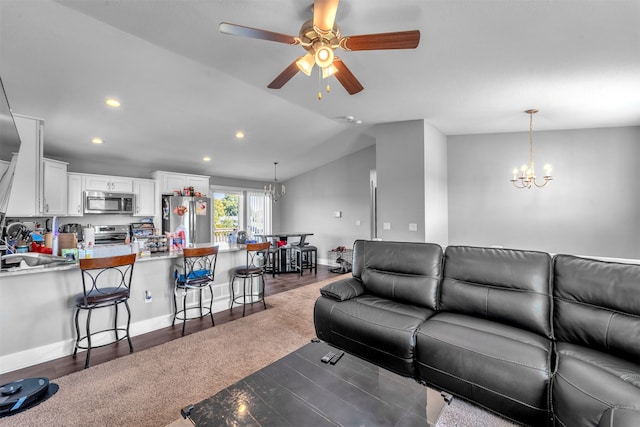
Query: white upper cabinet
144	189
74	194
112	184
199	183
169	182
24	199
54	184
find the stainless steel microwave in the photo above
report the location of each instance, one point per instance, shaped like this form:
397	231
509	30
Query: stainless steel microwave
100	202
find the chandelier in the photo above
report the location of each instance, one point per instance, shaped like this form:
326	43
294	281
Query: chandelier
527	176
272	190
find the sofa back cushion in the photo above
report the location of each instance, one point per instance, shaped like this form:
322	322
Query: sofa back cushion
597	304
401	271
507	286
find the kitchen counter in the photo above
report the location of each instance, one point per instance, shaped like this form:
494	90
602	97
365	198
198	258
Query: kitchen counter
15	271
37	305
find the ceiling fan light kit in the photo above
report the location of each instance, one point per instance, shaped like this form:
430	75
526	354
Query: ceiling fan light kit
320	37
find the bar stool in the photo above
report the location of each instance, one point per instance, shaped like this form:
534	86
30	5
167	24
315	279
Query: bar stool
273	255
196	272
106	282
305	257
251	270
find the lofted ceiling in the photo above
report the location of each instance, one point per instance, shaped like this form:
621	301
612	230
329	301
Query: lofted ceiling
186	88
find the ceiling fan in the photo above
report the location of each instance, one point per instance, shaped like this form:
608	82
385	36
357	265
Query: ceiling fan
320	37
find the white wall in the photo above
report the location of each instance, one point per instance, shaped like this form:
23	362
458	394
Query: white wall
592	207
436	221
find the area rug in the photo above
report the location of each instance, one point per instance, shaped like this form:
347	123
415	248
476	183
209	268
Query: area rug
148	388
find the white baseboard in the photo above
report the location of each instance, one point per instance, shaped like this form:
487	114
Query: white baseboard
46	353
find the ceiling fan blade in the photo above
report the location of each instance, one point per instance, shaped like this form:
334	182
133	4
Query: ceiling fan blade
397	40
285	76
255	33
346	77
324	14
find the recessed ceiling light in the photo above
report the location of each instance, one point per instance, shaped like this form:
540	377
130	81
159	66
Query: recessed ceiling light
239	134
206	159
97	140
112	102
352	120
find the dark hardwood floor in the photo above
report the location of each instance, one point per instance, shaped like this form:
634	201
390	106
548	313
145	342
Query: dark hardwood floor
67	365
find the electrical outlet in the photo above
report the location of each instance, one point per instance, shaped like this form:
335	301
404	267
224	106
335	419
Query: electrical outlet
147	297
386	226
358	222
413	227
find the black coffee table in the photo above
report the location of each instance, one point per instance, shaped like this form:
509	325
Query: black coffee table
300	390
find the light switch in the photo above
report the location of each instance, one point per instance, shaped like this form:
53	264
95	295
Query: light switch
337	214
386	226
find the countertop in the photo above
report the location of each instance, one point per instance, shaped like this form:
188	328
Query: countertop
16	271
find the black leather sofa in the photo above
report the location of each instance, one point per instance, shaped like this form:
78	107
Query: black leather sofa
540	340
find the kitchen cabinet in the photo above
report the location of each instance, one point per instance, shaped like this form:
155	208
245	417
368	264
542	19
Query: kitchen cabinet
113	184
168	182
74	194
144	189
199	183
26	190
54	185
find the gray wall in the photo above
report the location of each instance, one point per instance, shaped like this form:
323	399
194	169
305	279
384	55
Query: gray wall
400	167
436	221
592	207
313	197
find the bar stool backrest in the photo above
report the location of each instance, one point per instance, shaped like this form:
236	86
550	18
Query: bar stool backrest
255	249
106	278
199	264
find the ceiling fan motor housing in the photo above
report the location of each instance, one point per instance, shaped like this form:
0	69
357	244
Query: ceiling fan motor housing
318	43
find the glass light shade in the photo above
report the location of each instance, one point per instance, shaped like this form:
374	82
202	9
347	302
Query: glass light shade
305	63
329	71
324	56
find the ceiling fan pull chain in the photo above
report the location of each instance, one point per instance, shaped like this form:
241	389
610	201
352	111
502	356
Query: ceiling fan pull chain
319	84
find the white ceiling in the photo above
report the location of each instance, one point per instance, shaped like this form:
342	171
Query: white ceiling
186	89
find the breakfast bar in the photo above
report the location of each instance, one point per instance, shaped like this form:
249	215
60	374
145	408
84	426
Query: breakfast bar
38	303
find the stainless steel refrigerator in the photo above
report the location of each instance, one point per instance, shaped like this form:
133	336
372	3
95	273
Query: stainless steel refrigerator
191	215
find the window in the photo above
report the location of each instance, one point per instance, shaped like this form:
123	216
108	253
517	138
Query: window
247	210
259	210
226	210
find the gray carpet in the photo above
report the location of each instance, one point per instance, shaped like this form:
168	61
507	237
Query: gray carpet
149	387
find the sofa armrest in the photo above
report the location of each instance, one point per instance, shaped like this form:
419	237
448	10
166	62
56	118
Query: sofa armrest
343	289
620	417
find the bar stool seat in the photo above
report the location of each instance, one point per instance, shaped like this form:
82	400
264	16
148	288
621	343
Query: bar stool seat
196	272
247	272
106	282
306	257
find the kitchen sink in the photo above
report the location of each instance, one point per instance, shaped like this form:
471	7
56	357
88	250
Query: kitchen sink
33	259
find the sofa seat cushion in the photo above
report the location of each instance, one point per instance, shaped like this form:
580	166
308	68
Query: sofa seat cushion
619	417
588	382
374	328
500	367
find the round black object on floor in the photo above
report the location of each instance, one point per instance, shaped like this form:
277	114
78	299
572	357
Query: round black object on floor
24	393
